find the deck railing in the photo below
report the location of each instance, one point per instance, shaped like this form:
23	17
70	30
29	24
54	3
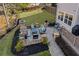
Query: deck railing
74	40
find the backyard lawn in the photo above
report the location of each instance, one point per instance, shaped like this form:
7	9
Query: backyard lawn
31	17
5	44
36	16
43	53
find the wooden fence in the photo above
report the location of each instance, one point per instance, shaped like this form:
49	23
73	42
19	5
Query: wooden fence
50	9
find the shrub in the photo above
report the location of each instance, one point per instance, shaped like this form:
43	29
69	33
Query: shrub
44	40
51	24
11	21
19	46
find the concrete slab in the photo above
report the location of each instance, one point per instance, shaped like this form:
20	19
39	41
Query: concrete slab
53	47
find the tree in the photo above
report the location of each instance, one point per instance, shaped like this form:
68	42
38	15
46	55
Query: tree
23	5
7	20
44	40
11	10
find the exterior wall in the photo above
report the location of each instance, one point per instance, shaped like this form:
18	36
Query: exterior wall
68	8
77	22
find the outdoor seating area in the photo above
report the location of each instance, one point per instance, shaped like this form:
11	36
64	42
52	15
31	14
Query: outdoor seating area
29	39
31	34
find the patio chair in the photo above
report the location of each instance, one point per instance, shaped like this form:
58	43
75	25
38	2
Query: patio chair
57	26
35	33
42	29
32	26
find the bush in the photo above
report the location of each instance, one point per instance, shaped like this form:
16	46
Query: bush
44	40
11	21
51	24
19	46
43	8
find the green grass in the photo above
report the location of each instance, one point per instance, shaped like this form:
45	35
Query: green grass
5	44
37	16
30	13
43	53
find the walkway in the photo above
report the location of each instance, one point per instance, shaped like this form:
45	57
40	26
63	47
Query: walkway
53	47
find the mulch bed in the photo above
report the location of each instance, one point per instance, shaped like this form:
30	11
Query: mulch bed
14	42
32	49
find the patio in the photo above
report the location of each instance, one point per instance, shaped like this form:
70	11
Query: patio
54	49
31	35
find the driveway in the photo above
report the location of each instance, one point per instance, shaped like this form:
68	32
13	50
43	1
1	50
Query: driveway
53	47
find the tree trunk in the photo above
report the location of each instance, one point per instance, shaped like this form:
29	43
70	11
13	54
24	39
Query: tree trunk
6	17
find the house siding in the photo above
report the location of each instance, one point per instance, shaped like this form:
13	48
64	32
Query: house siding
77	20
68	8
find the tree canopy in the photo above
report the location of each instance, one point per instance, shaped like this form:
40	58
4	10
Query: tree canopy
23	5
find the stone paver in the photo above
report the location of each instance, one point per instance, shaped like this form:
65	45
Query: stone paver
53	47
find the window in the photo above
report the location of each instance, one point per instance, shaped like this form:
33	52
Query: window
66	16
69	22
60	16
68	19
65	21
